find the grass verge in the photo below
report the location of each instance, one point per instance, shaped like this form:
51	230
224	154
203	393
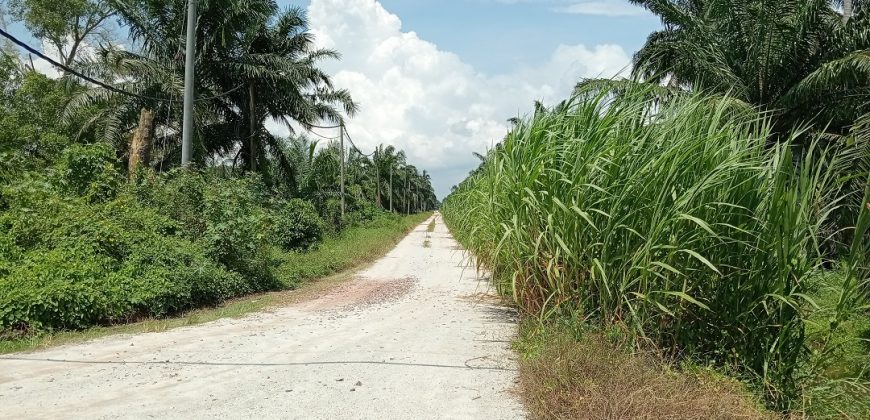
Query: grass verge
568	375
333	262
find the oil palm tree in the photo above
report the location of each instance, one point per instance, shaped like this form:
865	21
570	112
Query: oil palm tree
254	63
801	60
279	68
386	160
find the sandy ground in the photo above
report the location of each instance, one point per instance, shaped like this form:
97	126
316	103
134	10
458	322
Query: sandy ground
414	336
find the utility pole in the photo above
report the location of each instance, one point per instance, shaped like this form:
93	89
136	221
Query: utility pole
252	122
378	178
342	169
189	58
391	186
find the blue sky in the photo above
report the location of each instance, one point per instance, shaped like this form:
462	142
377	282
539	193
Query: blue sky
493	35
439	78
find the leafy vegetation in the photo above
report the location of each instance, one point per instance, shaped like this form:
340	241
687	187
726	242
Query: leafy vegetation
98	223
674	221
351	248
715	208
801	60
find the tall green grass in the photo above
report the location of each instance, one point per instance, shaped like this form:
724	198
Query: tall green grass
674	220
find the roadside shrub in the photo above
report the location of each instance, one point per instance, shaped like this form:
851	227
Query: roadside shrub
71	263
296	225
9	253
227	215
362	211
177	194
331	214
170	274
89	171
236	232
75	287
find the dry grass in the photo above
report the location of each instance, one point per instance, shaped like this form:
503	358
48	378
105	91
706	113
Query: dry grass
562	378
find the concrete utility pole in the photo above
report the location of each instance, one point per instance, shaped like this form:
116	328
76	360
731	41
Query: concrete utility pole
342	169
252	122
391	186
189	58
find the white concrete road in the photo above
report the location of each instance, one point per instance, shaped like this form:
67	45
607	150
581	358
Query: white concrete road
415	336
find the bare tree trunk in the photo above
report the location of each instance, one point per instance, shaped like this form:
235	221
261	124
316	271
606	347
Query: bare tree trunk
847	10
140	144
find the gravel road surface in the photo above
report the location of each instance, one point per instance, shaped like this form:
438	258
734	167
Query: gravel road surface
417	335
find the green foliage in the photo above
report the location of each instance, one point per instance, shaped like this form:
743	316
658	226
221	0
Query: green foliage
75	263
798	59
353	246
89	171
244	50
670	219
65	25
81	246
227	215
236	232
30	104
330	210
297	225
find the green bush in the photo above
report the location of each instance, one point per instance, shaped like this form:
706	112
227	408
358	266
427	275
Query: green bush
296	225
331	213
177	194
70	263
89	171
228	216
236	232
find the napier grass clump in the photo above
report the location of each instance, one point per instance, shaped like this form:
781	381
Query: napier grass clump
673	219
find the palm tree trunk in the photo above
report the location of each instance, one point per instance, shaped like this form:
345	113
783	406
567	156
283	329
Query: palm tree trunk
847	10
252	127
140	144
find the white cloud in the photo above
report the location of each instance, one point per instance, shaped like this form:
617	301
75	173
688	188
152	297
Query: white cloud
427	101
85	50
43	66
604	8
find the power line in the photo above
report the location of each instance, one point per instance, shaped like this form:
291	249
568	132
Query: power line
124	92
337	137
322	136
465	365
102	84
357	148
321	126
76	73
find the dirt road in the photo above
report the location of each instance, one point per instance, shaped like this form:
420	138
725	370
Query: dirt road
414	336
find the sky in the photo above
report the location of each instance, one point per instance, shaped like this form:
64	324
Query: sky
440	78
